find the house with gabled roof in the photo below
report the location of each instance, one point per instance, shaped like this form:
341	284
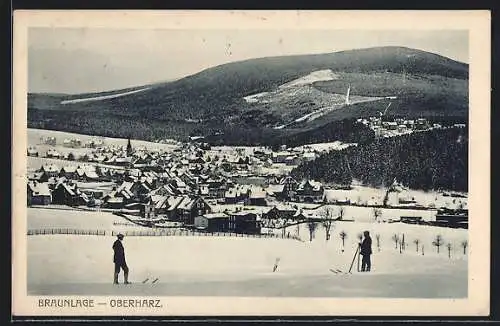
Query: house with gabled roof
190	207
276	191
160	204
132	191
50	169
69	172
257	197
309	191
38	193
32	152
38	176
67	193
289	187
212	222
168	190
52	153
243	221
280	211
203	190
90	176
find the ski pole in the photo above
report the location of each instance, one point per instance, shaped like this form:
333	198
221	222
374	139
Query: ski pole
353	258
359	246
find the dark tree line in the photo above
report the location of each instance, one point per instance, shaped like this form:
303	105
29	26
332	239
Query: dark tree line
216	132
436	159
108	125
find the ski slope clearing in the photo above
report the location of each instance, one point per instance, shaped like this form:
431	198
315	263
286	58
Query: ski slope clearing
104	97
204	265
315	76
300	101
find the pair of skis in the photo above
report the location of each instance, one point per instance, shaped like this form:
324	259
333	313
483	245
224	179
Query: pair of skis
153	281
337	271
356	254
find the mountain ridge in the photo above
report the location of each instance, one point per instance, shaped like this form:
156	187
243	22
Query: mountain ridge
427	84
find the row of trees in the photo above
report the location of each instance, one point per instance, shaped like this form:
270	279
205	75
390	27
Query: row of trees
109	125
438	242
436	159
399	241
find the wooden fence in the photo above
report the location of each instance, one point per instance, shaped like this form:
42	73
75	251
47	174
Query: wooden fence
201	234
151	233
65	231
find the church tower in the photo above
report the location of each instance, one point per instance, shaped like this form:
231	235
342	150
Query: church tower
129	148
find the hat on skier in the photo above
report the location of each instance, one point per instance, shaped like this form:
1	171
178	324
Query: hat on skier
120	236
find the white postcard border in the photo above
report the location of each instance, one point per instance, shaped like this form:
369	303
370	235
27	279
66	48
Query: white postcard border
478	24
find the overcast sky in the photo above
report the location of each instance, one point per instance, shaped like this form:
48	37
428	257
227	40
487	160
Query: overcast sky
80	60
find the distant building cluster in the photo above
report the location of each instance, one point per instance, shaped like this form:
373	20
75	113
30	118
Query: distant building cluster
234	189
397	127
194	185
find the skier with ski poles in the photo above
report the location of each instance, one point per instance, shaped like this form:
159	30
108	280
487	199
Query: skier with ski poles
366	251
119	260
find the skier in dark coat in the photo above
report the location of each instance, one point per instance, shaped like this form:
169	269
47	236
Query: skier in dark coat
119	260
366	251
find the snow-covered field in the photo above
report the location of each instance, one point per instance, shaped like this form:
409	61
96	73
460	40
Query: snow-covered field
34	136
233	150
370	195
194	265
50	218
324	147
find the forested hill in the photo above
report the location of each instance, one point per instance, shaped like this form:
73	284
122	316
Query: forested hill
212	102
436	159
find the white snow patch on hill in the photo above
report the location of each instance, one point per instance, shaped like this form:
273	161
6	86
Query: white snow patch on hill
294	87
104	97
255	98
319	75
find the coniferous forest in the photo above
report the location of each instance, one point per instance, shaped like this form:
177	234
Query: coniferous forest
431	160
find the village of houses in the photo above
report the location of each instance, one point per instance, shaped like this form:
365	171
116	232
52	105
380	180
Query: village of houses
219	189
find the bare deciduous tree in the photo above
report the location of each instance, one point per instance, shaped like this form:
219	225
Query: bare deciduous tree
285	221
416	242
464	245
327	222
449	247
343	236
438	242
341	212
395	238
311	226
